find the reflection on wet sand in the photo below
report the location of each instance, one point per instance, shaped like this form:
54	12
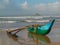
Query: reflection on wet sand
34	39
39	39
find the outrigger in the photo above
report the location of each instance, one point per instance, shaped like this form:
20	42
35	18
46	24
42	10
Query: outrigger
35	28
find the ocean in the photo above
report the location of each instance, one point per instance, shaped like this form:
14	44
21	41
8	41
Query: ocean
14	22
18	22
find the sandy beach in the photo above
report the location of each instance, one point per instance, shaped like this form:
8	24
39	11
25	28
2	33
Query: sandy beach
30	22
25	38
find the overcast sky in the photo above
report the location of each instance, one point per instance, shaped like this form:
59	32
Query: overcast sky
29	7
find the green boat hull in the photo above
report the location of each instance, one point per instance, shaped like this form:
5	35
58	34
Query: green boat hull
42	29
43	32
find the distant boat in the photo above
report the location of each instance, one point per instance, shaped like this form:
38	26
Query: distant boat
45	29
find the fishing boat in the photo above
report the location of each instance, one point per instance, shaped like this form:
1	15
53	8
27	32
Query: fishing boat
36	28
45	29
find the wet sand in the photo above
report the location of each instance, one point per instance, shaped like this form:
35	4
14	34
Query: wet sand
25	38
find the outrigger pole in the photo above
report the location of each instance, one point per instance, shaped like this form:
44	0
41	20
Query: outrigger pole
16	30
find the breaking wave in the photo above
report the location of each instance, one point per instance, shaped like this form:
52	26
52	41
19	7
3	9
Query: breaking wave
7	22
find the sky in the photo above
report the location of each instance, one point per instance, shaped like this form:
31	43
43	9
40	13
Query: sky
29	7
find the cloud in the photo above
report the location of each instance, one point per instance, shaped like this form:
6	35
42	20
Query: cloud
6	1
55	6
24	5
41	7
3	3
